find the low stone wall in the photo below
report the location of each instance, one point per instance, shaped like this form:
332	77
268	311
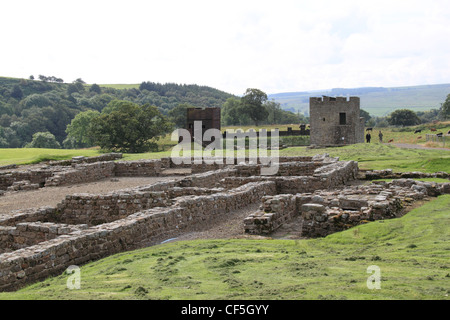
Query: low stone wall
328	211
80	159
323	177
28	234
389	174
141	229
38	177
141	168
90	169
275	211
82	173
138	217
93	209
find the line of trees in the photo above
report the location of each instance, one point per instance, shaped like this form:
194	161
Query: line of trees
30	106
254	108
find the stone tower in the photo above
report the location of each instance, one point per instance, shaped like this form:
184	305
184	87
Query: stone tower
335	121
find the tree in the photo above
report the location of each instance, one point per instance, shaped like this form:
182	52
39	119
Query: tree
17	93
128	127
232	114
95	88
252	105
274	112
445	110
403	117
43	140
78	131
72	88
364	114
177	115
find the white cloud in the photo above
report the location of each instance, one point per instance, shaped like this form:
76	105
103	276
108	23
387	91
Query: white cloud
275	46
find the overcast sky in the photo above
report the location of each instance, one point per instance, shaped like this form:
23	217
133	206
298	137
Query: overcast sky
275	46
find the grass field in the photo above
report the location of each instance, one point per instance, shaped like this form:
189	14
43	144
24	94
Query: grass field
373	156
376	156
411	253
34	155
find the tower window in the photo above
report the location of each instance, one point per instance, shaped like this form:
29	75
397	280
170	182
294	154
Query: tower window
342	118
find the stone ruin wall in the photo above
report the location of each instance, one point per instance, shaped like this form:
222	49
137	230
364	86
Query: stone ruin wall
84	227
81	169
324	212
140	229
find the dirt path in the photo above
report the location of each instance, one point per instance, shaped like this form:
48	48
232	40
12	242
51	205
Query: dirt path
229	226
417	146
51	196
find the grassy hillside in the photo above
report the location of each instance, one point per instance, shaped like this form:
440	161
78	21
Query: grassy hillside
411	253
376	101
31	106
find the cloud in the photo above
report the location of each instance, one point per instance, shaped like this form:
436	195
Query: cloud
275	46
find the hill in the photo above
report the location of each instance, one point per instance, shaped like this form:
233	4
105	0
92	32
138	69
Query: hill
30	106
378	101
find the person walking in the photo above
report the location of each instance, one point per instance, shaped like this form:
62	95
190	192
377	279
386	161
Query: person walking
380	135
368	137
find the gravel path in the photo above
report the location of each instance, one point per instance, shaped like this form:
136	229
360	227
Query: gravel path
230	226
417	146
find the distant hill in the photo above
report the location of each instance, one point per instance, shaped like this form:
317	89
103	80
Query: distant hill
378	101
30	106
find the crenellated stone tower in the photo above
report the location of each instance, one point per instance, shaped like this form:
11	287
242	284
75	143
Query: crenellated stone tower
335	121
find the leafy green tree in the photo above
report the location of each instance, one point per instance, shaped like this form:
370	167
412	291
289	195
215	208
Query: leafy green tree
43	140
78	131
403	117
95	88
17	93
72	88
445	110
231	113
5	109
364	114
37	100
128	127
252	105
3	141
275	113
177	115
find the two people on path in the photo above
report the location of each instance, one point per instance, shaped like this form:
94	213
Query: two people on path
369	137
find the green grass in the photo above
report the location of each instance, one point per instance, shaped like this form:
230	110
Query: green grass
373	156
120	86
412	253
376	156
35	155
435	180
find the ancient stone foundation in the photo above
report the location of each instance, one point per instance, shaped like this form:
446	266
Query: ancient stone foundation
324	212
39	243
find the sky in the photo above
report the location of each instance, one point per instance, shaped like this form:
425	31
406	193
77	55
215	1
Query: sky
275	46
